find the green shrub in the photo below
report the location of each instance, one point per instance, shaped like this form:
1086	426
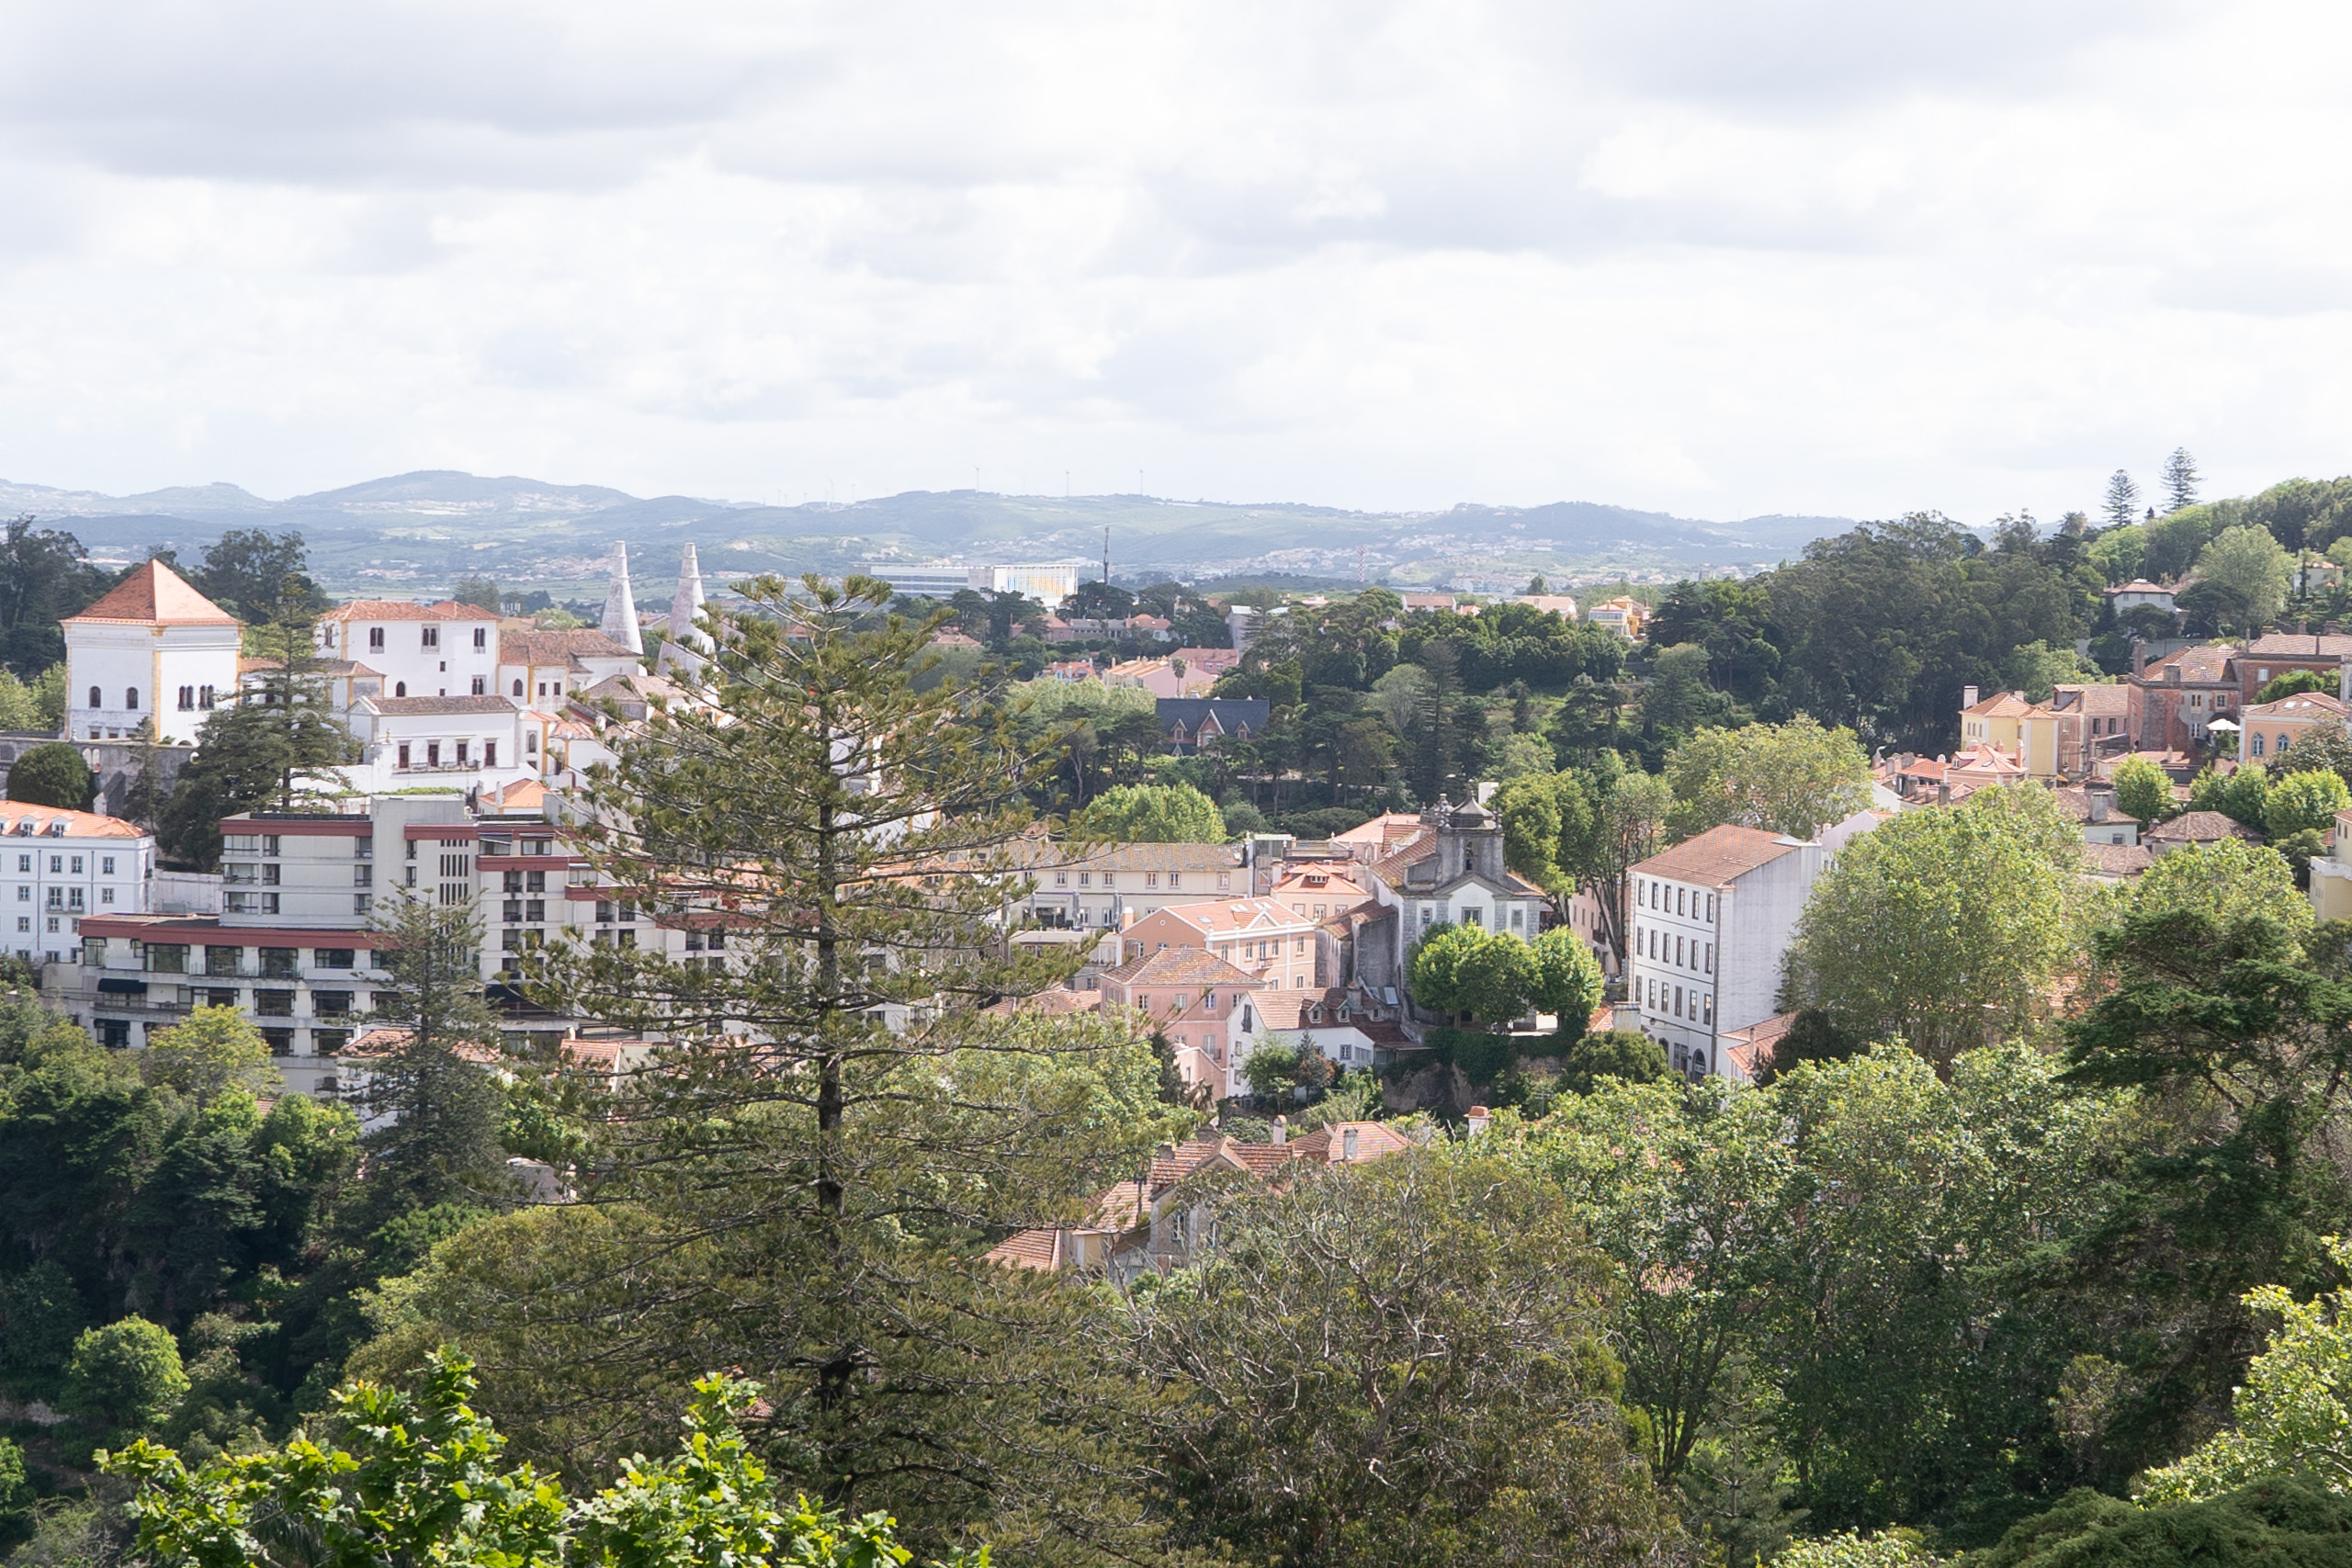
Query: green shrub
52	775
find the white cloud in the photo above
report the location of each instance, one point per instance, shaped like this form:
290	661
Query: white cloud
1828	255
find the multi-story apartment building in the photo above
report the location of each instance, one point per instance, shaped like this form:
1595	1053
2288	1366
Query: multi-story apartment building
61	867
1710	922
294	948
1106	886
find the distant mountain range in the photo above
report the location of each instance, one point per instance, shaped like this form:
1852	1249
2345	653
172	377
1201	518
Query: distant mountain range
418	533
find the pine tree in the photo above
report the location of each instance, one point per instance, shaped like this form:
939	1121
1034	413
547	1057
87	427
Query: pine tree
277	744
839	1128
433	1110
2123	500
2180	480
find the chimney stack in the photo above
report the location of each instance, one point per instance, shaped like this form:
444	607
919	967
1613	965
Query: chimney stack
1281	1130
1968	696
1348	1144
2099	800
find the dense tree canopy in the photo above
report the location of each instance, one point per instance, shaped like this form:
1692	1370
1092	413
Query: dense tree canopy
1944	927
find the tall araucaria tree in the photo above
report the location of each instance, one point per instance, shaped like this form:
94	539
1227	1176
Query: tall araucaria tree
805	1187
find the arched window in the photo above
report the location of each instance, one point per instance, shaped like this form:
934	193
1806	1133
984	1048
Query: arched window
97	701
518	688
400	688
2257	745
130	700
2281	744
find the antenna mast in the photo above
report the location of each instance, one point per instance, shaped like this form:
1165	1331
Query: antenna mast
1106	554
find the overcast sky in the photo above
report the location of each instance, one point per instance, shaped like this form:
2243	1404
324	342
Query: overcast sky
1721	257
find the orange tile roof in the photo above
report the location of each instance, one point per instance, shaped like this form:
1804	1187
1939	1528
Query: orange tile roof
1236	917
155	595
1717	855
1179	966
2000	705
78	824
1328	1144
407	610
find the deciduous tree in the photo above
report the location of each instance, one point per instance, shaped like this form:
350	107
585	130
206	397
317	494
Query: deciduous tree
1398	1363
1946	927
1794	778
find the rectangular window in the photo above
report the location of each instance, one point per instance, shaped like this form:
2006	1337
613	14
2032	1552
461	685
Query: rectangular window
717	940
431	637
534	882
478	687
361	903
535	909
433	754
404	762
56	864
331	1004
274	1004
604	911
166	960
1711	958
105	865
489	753
363	877
481	640
462	746
332	957
278	962
76	868
626	939
1061	879
205	698
1086	879
1152	879
1175	879
222	959
106	895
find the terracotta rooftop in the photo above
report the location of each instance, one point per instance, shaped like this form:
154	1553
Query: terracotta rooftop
1328	1144
1718	855
2109	699
2117	860
15	813
2297	705
1236	917
2299	645
155	595
2140	585
407	610
1751	1048
2000	705
537	649
398	707
1179	966
2199	828
2205	665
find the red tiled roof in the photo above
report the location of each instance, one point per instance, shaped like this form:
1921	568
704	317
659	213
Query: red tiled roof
2298	645
1718	855
2199	828
2118	860
1179	966
1328	1144
78	824
153	594
407	610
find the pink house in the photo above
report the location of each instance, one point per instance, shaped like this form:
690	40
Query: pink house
1260	936
1199	1001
